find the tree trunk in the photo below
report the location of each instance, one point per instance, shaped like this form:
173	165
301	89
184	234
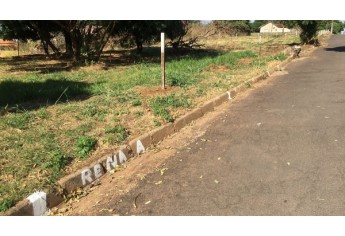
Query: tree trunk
45	47
139	46
53	47
68	44
77	43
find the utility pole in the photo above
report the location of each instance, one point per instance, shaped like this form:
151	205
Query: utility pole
332	27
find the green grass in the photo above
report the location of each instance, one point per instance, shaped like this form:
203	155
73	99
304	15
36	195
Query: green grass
116	134
19	120
161	105
85	144
6	204
55	118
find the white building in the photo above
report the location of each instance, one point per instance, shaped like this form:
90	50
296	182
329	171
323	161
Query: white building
274	28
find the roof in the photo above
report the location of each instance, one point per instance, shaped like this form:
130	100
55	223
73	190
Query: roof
279	25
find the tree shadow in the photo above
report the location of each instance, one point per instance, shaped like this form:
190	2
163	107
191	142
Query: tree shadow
36	63
153	55
336	49
32	95
109	59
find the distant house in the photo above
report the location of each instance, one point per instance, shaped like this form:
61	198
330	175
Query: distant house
274	28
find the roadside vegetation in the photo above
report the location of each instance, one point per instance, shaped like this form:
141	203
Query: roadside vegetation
56	116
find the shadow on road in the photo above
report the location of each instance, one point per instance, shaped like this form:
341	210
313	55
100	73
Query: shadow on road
336	49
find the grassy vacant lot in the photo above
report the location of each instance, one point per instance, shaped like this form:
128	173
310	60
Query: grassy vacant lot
55	118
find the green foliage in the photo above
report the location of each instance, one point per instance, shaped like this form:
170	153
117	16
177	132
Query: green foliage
85	144
42	113
6	204
160	105
92	110
157	123
136	103
139	113
118	133
57	161
233	27
308	29
18	120
178	79
255	25
338	26
279	57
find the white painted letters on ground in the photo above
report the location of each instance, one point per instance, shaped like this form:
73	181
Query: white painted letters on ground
140	147
98	170
86	176
122	157
111	162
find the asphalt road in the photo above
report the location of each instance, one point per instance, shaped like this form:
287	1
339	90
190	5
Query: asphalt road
278	151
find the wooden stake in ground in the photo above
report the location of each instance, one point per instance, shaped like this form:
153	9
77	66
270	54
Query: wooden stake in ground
18	46
163	60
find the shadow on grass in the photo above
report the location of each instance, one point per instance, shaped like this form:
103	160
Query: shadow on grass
32	95
336	49
36	63
109	59
42	68
153	55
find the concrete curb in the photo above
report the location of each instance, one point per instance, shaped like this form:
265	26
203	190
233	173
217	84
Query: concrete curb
39	203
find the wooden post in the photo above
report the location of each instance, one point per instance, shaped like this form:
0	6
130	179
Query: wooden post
260	46
163	60
18	46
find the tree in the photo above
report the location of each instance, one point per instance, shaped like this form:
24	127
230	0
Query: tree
257	24
137	32
85	39
308	29
327	24
34	30
233	27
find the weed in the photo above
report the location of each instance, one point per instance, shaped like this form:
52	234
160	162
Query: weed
217	84
18	120
121	112
139	113
159	105
157	123
247	85
57	162
136	103
90	111
42	113
279	57
177	79
85	144
55	165
6	204
118	133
